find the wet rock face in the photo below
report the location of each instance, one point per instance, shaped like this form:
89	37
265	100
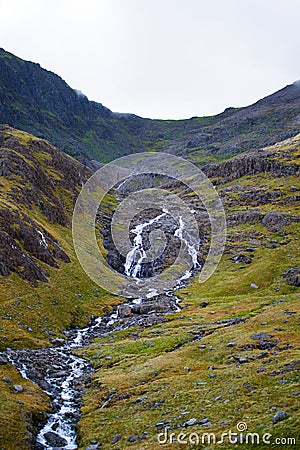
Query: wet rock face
54	440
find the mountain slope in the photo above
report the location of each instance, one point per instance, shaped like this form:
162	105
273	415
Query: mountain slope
40	102
43	288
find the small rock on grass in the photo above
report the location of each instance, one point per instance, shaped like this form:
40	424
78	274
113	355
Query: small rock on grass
7	380
279	416
190	422
204	304
204	421
254	286
18	388
133	438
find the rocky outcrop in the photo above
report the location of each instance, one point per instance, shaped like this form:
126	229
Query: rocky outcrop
251	164
273	221
292	276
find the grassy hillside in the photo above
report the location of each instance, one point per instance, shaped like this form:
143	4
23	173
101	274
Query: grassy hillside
235	357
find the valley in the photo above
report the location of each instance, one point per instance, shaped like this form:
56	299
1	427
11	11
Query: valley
83	368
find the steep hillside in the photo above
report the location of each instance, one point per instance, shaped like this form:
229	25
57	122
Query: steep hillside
43	289
40	102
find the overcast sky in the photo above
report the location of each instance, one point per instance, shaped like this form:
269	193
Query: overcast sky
160	58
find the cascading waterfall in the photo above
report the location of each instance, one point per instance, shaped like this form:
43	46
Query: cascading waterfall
133	266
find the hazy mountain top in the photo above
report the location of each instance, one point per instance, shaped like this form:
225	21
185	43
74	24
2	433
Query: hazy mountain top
40	102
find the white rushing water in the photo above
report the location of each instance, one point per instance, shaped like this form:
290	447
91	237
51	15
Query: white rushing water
137	254
192	250
61	421
131	266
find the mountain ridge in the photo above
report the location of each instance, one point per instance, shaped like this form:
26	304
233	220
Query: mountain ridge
40	102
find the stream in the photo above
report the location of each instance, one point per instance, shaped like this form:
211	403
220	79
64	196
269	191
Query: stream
63	375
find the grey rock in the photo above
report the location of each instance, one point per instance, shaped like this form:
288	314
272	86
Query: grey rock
292	276
57	341
55	440
260	336
124	311
190	422
279	416
203	421
240	258
3	360
231	344
116	438
254	286
243	360
274	221
18	388
133	438
7	380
